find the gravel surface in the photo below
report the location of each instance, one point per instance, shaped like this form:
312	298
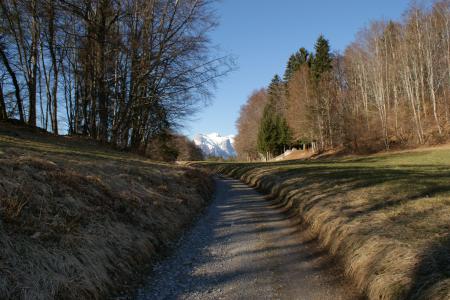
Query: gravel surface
244	247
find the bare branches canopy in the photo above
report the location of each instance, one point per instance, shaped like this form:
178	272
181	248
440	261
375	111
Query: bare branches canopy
121	71
391	87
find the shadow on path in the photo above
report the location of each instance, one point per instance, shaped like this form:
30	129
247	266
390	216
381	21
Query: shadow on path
245	247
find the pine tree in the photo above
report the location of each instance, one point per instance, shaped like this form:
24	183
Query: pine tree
274	87
277	94
284	134
322	60
268	133
274	134
303	56
290	67
295	62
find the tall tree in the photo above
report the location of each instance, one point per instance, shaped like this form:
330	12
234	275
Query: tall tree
390	87
246	141
322	60
274	134
284	134
14	80
277	94
32	66
50	38
3	113
321	66
268	132
294	63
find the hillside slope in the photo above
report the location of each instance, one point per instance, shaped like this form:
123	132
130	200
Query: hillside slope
77	219
387	215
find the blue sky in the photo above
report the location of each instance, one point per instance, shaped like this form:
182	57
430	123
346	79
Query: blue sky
262	34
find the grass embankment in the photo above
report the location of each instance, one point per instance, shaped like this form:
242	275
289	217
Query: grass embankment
386	216
77	220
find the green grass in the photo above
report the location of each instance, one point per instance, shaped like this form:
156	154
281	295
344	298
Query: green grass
386	215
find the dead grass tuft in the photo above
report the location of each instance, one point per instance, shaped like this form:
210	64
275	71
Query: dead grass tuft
386	216
11	208
78	220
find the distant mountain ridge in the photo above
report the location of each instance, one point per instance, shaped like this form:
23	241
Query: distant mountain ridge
213	144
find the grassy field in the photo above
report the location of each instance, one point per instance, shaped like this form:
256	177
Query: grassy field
386	216
78	220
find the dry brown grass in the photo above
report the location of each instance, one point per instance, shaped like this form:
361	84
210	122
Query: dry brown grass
386	216
78	220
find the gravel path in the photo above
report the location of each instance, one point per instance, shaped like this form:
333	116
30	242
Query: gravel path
246	248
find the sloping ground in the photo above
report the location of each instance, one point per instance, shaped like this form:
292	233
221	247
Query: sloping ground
386	216
77	219
244	247
293	155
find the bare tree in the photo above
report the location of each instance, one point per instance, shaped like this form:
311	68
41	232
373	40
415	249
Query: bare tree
248	126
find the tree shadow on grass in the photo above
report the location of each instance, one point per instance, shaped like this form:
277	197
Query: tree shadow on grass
432	275
396	186
350	177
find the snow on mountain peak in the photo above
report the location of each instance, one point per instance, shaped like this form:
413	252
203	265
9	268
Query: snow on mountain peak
213	144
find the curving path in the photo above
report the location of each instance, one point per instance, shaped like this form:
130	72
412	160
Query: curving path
246	248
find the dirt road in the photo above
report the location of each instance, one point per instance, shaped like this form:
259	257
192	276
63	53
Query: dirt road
246	248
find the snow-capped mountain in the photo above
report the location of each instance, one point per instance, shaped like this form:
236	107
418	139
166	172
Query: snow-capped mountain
214	144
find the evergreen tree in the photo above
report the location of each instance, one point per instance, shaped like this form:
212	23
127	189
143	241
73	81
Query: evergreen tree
303	55
291	67
322	60
284	134
274	87
295	62
274	134
277	94
311	58
268	133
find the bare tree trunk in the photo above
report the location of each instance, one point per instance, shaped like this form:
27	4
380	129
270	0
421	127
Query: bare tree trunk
41	101
3	114
446	15
412	99
32	76
51	46
13	76
48	95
